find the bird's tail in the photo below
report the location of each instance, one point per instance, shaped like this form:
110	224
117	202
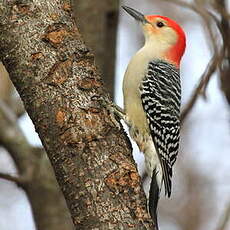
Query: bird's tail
153	198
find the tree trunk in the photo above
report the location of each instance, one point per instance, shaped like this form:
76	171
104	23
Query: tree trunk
55	76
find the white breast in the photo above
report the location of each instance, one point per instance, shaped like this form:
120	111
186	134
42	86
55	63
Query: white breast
135	72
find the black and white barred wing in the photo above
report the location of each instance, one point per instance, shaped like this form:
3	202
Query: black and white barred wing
161	95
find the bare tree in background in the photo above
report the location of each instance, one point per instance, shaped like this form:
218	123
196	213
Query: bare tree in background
55	76
98	22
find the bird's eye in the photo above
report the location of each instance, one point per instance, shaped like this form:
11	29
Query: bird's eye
160	24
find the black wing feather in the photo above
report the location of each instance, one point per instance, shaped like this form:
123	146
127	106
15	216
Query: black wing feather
160	94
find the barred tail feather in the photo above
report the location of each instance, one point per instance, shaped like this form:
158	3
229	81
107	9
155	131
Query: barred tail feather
167	177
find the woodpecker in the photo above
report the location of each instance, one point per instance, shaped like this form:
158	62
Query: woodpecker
152	97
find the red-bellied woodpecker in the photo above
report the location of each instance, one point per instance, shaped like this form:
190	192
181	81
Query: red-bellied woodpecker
152	96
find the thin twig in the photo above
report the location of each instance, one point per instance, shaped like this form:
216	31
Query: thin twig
205	14
222	10
205	78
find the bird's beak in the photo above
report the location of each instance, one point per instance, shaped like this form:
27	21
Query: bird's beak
134	13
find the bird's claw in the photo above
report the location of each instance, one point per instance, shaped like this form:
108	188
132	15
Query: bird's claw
104	102
112	108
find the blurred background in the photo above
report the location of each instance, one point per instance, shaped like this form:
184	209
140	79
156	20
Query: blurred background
29	195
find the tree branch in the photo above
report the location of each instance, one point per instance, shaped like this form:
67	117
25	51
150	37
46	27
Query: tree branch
204	80
55	76
14	141
19	180
35	175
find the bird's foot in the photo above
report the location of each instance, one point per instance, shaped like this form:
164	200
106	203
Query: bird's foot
116	112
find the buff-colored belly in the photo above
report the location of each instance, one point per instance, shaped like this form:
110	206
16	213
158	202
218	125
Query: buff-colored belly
134	75
138	129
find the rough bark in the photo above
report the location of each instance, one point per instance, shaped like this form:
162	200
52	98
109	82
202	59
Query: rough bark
55	76
54	215
98	22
